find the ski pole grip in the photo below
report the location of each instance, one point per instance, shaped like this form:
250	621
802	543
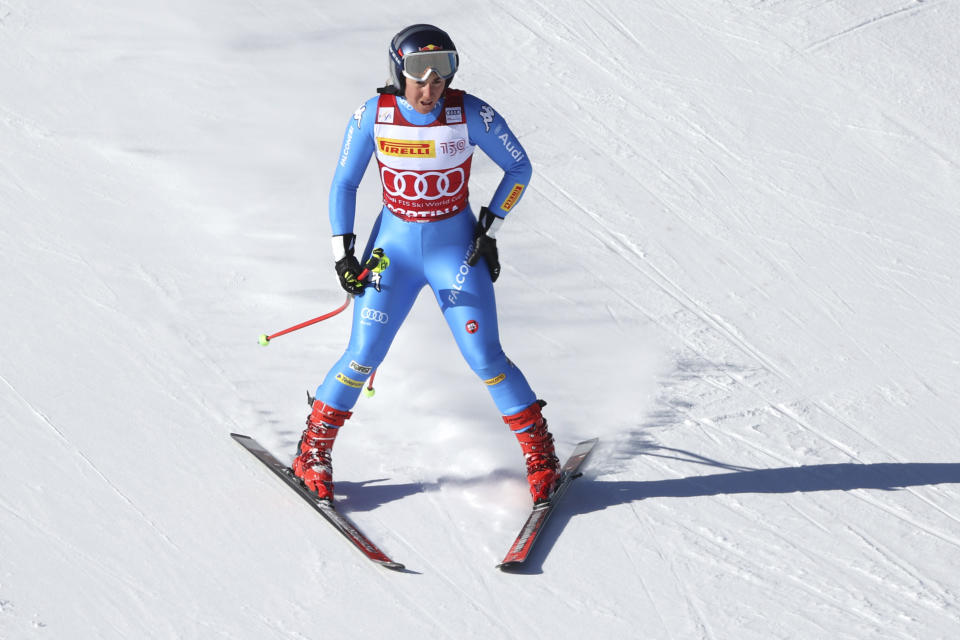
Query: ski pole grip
376	263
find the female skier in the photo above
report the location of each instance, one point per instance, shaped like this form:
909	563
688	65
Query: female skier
423	134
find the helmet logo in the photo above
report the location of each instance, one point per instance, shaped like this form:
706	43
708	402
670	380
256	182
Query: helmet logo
431	47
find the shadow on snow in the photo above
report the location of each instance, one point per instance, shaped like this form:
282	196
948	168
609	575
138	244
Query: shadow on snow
588	495
597	495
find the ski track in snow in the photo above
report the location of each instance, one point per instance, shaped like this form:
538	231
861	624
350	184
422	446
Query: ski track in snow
463	556
912	8
88	463
613	239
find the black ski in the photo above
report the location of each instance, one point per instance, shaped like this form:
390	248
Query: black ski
324	507
570	471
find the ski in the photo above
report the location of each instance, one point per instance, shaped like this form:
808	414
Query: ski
325	508
570	471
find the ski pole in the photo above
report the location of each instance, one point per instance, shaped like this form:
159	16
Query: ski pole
265	339
372	269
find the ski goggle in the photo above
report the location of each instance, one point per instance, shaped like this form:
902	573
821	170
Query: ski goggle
420	64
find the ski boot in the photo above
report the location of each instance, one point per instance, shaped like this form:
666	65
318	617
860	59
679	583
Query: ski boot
543	467
313	464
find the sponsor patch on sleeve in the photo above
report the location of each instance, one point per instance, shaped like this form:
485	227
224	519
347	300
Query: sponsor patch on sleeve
511	200
361	369
494	381
350	382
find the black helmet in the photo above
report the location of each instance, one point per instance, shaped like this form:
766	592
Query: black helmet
420	50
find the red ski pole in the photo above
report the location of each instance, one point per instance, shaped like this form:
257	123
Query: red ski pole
374	266
370	391
265	339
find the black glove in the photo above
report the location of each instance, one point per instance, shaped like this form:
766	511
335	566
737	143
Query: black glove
347	265
485	246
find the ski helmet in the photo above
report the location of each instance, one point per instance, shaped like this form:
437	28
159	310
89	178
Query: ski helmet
420	50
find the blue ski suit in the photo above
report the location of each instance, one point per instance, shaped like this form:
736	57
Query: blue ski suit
426	229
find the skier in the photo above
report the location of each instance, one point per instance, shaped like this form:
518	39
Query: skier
423	134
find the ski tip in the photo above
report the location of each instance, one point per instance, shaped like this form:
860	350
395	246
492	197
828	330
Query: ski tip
395	566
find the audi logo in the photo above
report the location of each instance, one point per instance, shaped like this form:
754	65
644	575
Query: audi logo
422	185
374	315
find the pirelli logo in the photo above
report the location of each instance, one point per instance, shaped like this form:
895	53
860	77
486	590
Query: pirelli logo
407	148
513	197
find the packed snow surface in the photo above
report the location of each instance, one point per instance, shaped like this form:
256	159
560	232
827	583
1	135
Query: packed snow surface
737	265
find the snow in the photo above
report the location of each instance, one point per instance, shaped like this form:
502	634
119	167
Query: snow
736	265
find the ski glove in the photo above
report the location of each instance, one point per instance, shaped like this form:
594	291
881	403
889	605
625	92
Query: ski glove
347	265
485	244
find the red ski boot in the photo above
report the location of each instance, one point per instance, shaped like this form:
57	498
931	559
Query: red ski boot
313	465
543	467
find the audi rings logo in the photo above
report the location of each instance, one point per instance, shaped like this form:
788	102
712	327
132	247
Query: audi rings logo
375	316
422	185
